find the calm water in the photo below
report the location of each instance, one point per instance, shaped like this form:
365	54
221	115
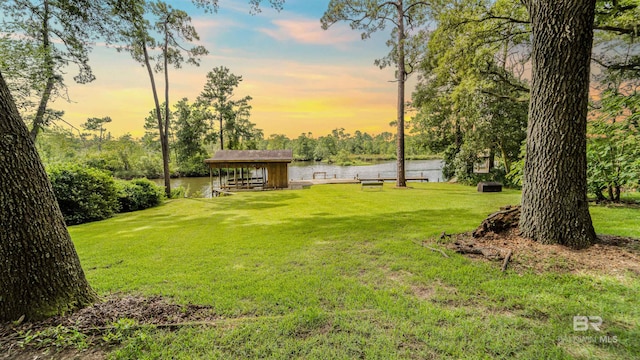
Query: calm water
431	169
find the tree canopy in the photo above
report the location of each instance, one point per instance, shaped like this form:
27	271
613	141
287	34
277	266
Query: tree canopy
472	96
41	40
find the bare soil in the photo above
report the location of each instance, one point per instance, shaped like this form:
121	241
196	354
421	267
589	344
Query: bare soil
498	238
96	320
612	255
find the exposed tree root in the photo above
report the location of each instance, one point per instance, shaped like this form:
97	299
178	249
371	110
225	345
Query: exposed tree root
490	252
506	261
434	249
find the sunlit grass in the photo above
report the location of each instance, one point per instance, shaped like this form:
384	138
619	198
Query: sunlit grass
334	272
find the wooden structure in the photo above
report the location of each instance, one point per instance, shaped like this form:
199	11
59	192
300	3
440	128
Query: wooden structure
489	186
252	169
420	178
484	164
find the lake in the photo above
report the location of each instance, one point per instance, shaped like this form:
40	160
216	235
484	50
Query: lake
430	169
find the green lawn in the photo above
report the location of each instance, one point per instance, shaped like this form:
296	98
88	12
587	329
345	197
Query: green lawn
334	272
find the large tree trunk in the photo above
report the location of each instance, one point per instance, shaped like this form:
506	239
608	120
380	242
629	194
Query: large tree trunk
167	113
401	75
554	192
40	272
163	144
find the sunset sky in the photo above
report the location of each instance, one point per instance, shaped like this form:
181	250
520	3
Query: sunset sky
301	77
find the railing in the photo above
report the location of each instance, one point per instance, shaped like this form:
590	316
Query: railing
318	173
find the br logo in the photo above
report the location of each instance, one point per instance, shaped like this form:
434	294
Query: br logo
582	323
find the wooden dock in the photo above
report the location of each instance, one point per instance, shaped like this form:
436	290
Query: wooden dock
323	182
411	178
298	184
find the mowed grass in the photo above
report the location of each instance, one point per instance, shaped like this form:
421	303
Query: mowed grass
334	272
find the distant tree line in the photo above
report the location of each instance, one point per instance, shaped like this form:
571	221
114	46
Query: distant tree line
192	140
344	148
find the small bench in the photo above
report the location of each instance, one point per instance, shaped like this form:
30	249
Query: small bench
371	184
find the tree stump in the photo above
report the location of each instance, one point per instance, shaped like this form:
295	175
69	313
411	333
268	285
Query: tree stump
507	218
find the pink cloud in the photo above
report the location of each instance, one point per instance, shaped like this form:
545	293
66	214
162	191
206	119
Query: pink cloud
306	31
206	24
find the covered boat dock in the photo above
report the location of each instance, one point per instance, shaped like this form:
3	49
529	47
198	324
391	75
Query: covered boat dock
251	169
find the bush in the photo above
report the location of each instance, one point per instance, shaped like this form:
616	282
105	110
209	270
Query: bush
179	192
613	150
151	166
139	194
84	194
448	169
516	175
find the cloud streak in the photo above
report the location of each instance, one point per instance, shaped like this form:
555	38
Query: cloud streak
308	32
205	24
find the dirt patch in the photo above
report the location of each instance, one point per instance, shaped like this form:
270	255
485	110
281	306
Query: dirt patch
612	255
498	238
398	276
423	292
99	319
154	310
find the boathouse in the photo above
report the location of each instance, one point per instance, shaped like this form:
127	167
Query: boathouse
251	169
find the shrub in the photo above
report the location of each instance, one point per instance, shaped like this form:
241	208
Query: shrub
448	169
613	150
179	192
151	166
516	175
84	194
139	194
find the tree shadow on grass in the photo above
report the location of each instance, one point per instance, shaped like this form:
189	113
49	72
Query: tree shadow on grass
272	199
319	225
